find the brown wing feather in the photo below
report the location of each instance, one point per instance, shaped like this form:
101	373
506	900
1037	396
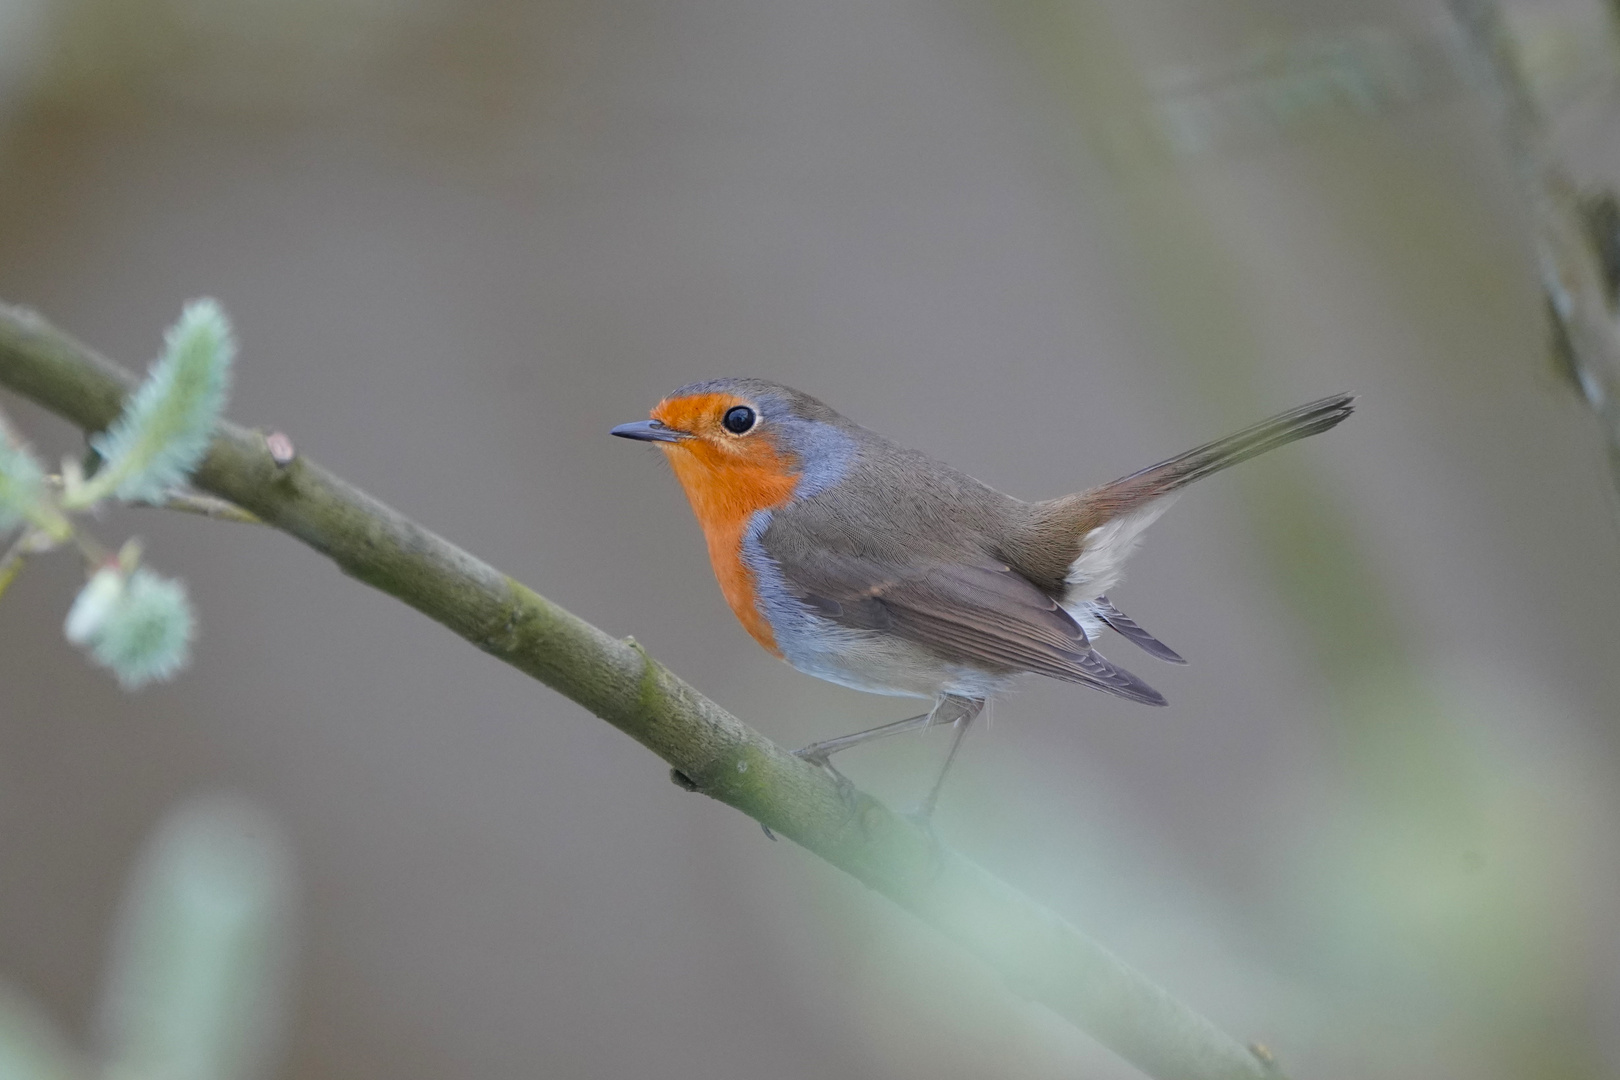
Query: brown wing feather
985	615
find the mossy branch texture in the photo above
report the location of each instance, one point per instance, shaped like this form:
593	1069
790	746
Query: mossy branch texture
1039	954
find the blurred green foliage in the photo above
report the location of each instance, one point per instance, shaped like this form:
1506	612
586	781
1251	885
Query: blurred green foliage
198	978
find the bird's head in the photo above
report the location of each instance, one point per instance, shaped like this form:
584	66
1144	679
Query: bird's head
746	443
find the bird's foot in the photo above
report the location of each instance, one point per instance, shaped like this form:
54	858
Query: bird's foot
822	759
818	756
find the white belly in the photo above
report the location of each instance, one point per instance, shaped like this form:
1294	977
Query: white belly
879	664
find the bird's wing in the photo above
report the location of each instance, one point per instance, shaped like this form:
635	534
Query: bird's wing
985	614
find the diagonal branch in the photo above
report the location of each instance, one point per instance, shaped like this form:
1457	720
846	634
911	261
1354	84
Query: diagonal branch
1036	951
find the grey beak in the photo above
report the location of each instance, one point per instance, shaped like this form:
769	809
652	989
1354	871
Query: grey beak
649	431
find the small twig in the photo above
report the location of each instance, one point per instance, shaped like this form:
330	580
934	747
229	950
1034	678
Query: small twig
1037	952
190	502
11	563
30	540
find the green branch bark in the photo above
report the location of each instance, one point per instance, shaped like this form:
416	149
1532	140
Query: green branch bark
1037	952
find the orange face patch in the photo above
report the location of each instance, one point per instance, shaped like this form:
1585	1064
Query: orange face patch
727	478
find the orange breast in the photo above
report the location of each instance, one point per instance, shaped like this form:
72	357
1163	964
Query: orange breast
726	490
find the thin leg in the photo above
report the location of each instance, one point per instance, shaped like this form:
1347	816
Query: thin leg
818	752
967	710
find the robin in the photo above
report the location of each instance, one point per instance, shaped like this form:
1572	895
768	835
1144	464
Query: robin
878	568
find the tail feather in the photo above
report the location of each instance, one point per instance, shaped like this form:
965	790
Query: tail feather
1196	464
1078	542
1127	628
1130	492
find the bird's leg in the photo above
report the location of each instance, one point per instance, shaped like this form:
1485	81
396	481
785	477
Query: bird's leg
820	753
817	753
967	709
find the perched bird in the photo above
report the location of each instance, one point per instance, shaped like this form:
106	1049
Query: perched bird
879	568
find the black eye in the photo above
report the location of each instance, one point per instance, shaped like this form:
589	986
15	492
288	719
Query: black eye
739	419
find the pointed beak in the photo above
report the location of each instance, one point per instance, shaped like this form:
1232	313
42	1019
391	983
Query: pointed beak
649	431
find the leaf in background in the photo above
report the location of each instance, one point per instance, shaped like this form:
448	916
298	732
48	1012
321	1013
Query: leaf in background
198	978
166	425
32	1047
22	481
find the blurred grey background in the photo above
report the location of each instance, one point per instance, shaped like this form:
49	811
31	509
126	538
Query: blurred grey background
1375	828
